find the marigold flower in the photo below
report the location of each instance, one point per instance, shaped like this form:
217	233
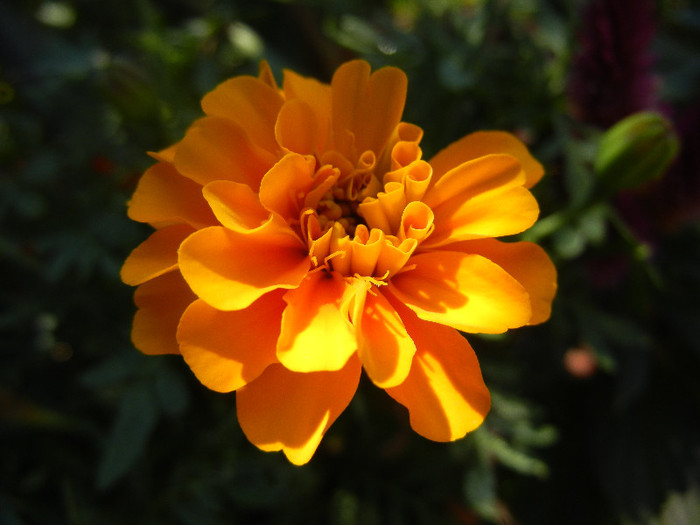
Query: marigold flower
301	237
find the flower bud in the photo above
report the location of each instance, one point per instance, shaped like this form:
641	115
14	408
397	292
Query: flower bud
637	149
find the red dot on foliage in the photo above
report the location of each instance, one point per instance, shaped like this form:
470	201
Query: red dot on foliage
102	164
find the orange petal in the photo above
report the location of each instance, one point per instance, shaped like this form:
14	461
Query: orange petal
317	96
416	222
165	155
265	74
324	179
481	198
382	108
484	143
290	411
384	211
393	258
227	350
445	394
250	103
155	256
348	88
218	149
474	177
284	187
415	176
392	158
163	196
296	128
385	348
315	335
235	205
230	270
365	249
161	302
527	262
465	291
368	107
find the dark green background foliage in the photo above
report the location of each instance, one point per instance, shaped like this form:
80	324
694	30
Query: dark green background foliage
595	415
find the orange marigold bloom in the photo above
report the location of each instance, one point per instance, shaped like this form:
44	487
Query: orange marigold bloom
301	237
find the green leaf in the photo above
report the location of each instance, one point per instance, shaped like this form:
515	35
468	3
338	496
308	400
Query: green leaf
135	421
480	489
171	391
113	370
509	456
569	242
682	508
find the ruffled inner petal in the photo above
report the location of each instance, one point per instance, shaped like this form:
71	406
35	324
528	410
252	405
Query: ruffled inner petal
156	255
215	148
416	222
394	257
417	178
465	291
339	252
444	392
370	253
373	213
365	251
324	179
291	411
285	185
163	197
161	302
384	211
402	147
315	334
484	143
227	350
230	270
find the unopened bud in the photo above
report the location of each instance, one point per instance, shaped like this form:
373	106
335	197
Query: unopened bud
637	149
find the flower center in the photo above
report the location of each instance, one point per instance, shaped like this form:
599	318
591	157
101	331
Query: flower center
358	225
334	208
340	203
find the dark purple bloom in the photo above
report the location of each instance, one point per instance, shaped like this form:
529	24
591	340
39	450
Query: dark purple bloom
612	72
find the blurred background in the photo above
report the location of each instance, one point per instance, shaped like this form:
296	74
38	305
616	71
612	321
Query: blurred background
596	414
